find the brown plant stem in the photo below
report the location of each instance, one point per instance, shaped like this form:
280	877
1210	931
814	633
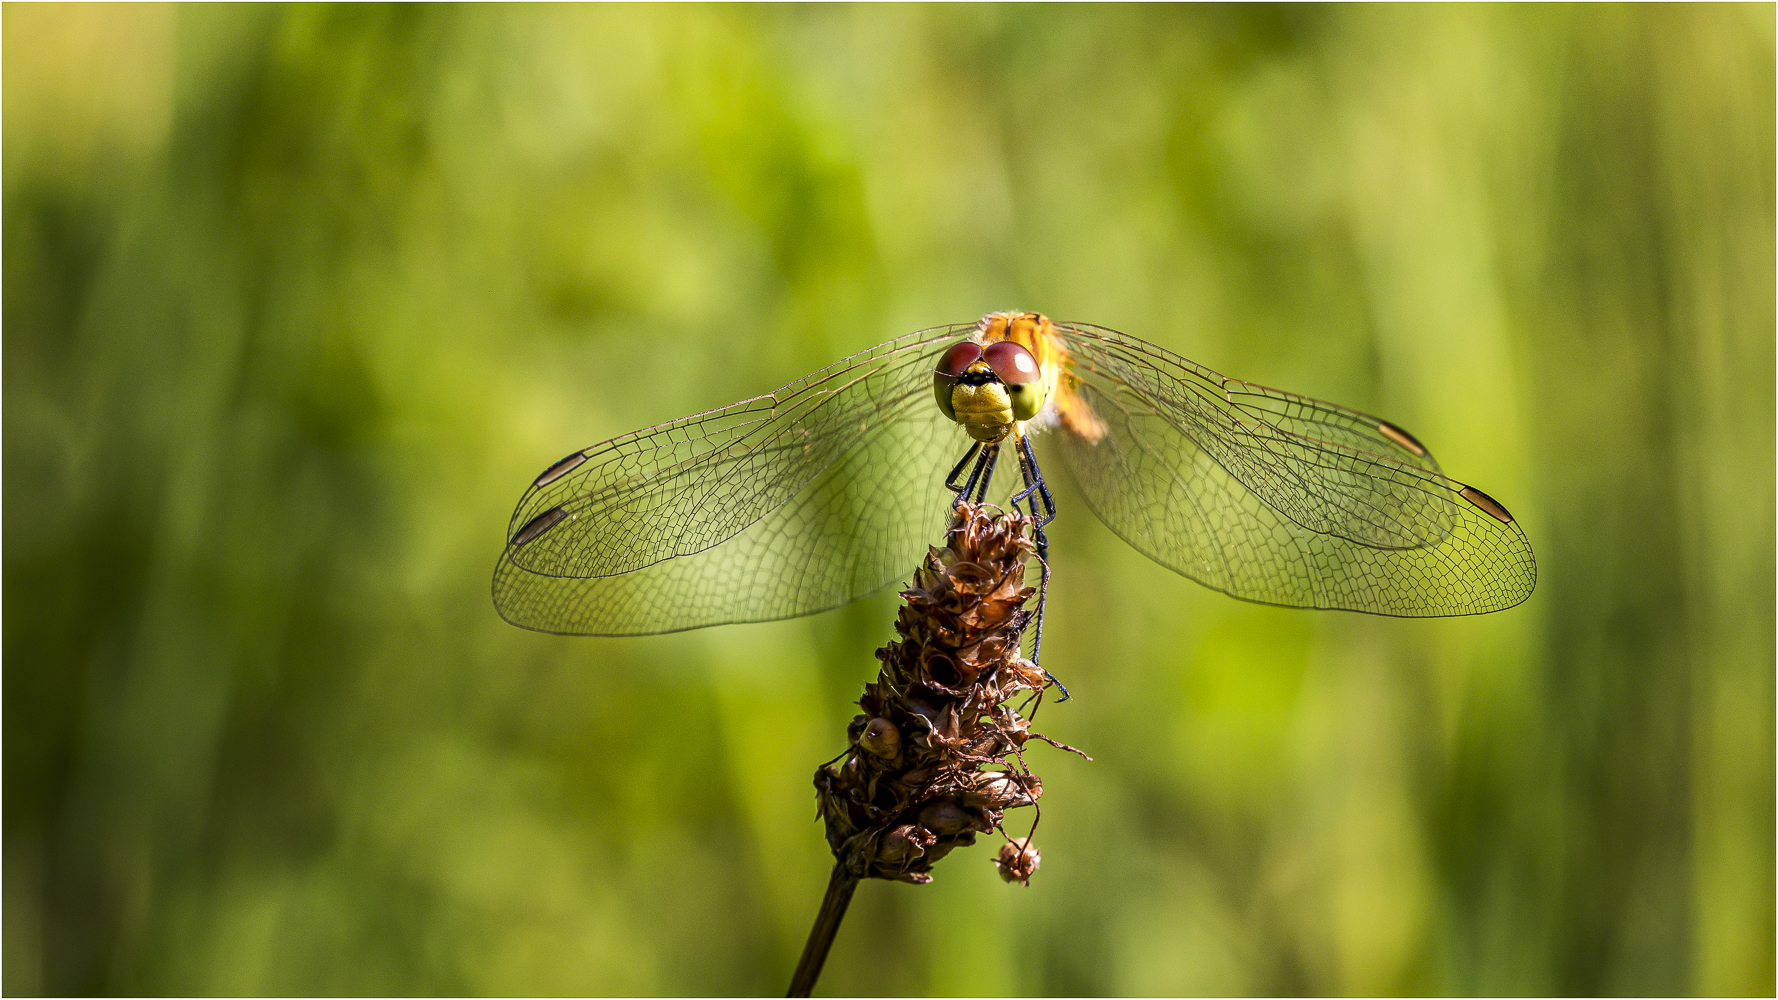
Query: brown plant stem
827	924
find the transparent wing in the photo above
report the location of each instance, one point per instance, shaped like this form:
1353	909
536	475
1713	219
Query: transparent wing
1278	498
777	506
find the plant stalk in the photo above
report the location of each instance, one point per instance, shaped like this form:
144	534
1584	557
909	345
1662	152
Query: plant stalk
827	924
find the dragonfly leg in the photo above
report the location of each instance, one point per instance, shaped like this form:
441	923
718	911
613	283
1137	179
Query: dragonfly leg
986	468
951	483
957	470
984	457
1043	587
1035	488
1034	485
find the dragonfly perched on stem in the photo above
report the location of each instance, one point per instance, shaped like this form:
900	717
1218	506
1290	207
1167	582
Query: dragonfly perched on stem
806	498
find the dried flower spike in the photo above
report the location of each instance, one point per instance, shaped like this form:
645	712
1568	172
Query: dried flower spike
937	755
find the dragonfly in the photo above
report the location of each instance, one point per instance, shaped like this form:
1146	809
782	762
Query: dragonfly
832	487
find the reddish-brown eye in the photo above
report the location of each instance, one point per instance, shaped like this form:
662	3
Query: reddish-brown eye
951	367
958	358
1011	362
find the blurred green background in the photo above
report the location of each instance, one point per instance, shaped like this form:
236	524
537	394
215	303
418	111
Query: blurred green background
298	299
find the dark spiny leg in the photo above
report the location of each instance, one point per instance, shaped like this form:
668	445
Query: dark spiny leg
957	470
989	455
984	459
1034	484
1043	588
1035	488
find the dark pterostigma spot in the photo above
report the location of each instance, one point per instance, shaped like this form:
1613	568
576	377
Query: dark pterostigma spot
1488	504
559	470
542	523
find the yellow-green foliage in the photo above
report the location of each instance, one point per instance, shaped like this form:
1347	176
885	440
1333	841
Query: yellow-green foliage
296	300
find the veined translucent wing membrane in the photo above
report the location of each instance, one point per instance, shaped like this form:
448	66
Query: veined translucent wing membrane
833	486
1278	498
781	505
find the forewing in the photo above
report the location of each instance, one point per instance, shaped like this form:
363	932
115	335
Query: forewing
781	505
1279	498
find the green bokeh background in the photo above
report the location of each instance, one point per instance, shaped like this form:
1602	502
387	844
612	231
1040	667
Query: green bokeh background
298	299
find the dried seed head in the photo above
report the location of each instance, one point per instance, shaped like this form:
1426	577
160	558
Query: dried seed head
913	788
1018	864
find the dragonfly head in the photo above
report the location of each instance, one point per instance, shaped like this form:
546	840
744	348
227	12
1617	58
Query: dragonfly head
988	389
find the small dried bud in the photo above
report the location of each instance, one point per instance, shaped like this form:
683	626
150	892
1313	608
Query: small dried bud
942	816
1003	790
881	738
1018	864
904	843
1028	674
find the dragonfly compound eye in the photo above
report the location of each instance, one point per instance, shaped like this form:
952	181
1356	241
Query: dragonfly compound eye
1017	369
949	370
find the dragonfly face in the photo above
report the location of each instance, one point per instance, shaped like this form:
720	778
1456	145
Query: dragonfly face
832	487
988	390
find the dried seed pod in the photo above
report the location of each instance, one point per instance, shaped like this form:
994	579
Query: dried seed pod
1002	790
881	738
942	816
904	843
1018	863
